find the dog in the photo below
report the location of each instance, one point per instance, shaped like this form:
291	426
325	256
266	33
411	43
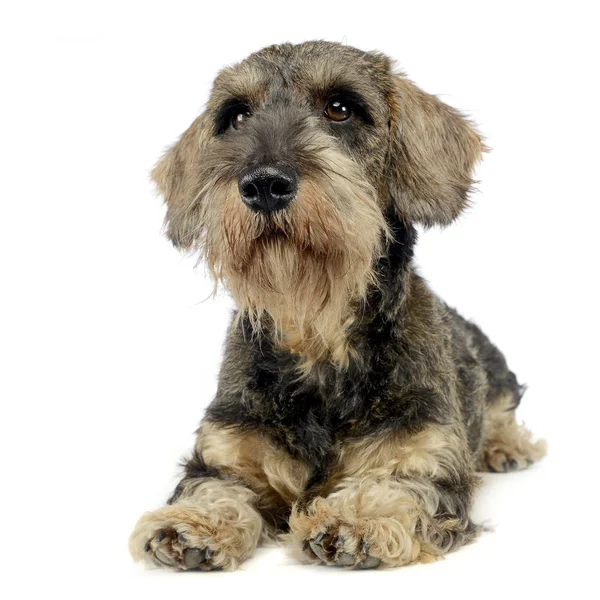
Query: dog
354	407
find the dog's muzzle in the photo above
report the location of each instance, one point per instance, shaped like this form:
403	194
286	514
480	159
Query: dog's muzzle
268	188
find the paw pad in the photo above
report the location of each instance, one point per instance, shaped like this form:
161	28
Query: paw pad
170	549
332	548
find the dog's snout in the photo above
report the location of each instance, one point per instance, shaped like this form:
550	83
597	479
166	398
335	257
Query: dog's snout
268	188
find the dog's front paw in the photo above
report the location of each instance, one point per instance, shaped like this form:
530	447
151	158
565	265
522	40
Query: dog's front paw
216	528
182	538
339	536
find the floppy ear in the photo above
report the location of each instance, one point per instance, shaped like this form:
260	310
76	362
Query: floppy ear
433	150
178	178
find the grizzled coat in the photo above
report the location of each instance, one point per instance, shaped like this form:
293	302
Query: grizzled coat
354	407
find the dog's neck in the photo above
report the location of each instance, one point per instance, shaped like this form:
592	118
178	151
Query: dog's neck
336	343
392	270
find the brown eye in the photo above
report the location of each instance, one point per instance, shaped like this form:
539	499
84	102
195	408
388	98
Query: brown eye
239	117
338	110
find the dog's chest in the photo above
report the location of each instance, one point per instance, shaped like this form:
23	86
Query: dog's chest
312	416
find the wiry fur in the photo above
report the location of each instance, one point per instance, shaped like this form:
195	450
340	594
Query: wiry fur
353	406
366	522
216	516
306	267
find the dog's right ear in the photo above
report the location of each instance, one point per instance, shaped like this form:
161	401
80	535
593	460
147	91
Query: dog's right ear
178	178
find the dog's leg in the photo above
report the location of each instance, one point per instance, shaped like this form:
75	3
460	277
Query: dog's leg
390	522
508	445
398	499
211	525
505	444
211	522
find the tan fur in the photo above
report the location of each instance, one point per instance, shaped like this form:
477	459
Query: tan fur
177	176
381	501
435	451
386	519
434	149
213	514
309	275
307	268
268	470
508	445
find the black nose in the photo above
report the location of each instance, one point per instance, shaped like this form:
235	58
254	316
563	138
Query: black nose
269	187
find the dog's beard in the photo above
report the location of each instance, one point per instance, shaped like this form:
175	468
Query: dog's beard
306	268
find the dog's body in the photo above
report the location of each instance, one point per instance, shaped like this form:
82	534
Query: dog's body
354	407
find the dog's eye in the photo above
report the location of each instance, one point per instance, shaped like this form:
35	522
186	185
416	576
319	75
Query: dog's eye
232	115
239	116
338	110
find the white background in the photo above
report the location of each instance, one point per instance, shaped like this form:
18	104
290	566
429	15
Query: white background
110	354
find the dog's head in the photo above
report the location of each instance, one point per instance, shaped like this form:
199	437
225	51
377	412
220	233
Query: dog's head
283	183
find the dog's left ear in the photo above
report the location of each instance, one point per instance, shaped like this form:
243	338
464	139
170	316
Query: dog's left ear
433	150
